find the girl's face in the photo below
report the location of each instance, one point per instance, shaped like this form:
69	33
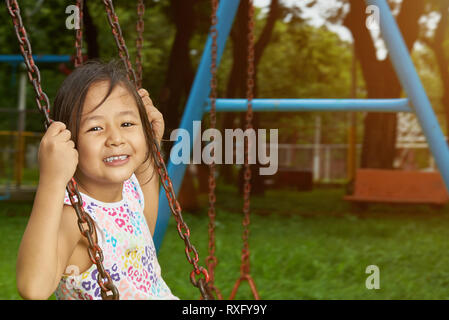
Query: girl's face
113	129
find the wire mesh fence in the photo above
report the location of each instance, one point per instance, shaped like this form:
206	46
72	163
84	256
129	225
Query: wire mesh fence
329	162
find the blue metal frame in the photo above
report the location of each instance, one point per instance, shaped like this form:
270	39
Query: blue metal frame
44	58
412	85
417	102
194	110
16	59
286	105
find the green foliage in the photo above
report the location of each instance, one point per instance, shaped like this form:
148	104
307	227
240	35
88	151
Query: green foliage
301	61
305	62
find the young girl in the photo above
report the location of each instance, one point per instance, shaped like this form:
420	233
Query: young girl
100	135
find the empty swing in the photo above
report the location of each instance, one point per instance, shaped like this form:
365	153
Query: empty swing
211	260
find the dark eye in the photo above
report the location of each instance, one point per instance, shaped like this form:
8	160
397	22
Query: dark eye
92	129
128	124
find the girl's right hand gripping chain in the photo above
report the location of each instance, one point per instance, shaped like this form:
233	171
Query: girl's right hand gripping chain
57	155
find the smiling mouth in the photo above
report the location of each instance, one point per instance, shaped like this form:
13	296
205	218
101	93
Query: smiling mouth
116	159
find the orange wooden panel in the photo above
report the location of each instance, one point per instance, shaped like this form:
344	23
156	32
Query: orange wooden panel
379	185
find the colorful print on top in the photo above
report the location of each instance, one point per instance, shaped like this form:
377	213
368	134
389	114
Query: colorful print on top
128	249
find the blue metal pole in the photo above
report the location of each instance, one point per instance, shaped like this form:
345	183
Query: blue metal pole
285	105
44	58
194	108
412	85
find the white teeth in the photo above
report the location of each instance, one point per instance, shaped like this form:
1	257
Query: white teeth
110	159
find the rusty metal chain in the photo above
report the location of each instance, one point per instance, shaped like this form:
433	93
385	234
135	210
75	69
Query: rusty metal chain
79	35
245	260
249	116
211	260
34	76
139	41
108	290
119	40
183	229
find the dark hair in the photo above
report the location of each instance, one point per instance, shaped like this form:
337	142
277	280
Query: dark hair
69	100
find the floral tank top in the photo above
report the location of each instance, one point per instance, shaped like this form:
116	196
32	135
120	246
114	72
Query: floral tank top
128	249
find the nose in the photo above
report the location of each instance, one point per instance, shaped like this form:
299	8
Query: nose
114	137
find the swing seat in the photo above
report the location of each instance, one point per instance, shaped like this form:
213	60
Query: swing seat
302	180
393	186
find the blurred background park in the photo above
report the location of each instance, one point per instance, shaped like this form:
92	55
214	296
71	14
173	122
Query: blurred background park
306	241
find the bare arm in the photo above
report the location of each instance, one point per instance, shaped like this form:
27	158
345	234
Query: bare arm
50	236
47	244
147	170
150	192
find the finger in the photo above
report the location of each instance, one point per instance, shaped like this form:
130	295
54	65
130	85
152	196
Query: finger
64	135
71	144
142	92
154	114
152	109
147	101
75	152
55	128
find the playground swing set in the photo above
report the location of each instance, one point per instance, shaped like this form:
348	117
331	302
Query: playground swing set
200	101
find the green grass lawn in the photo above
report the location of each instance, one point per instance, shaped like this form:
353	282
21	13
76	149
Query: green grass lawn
304	245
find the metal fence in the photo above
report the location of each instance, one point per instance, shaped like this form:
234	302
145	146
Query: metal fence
328	162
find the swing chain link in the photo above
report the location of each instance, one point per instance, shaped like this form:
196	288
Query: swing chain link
104	280
200	283
119	40
79	35
34	75
139	41
245	259
175	208
249	117
211	259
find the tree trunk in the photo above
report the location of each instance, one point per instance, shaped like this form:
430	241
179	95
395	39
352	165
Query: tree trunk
178	81
236	87
180	73
91	33
381	81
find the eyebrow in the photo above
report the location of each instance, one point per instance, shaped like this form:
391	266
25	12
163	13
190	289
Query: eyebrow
122	113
